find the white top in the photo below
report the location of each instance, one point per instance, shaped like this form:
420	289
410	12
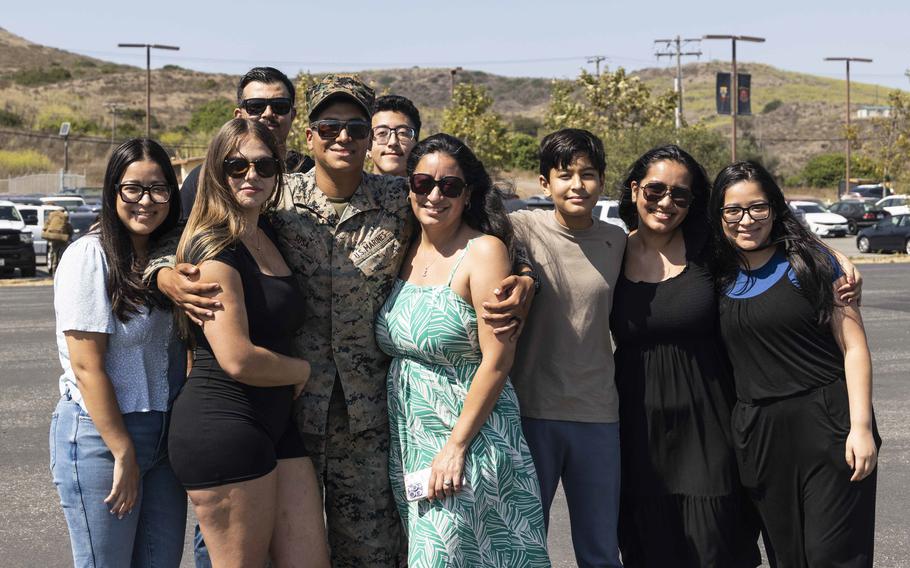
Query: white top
138	351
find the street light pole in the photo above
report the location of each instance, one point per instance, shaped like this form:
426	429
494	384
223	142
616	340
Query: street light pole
678	54
452	73
847	60
148	78
734	109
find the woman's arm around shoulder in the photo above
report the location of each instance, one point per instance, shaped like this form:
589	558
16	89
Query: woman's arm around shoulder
228	334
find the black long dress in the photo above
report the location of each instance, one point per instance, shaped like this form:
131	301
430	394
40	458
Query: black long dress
682	504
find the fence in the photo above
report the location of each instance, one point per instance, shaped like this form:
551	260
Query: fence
41	184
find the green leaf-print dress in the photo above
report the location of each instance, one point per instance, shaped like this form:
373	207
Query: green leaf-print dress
496	520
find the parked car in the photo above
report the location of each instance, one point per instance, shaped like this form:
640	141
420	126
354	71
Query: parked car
15	241
798	213
895	204
873	191
68	202
34	217
891	234
82	220
820	221
539	202
608	210
858	214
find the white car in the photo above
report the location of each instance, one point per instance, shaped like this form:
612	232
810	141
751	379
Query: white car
35	217
608	210
68	202
895	204
821	221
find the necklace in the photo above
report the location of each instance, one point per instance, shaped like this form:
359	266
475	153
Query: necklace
426	269
258	245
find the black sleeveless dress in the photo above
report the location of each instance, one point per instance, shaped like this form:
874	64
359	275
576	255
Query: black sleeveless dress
224	431
681	504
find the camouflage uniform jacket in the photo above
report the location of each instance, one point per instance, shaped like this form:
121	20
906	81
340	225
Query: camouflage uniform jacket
345	268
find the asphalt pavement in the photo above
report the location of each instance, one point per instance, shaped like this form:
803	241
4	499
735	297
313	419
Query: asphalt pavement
33	532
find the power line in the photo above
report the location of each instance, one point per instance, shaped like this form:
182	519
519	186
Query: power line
677	45
91	139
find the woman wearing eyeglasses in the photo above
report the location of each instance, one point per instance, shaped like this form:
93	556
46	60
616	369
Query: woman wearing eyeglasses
462	474
122	367
233	443
803	424
681	503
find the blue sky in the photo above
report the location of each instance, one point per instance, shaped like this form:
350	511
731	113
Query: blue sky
530	38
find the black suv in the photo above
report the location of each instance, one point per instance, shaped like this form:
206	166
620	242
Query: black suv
15	242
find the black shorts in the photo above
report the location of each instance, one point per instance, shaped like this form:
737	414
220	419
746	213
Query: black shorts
223	431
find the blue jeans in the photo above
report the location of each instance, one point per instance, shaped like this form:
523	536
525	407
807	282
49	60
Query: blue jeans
83	468
586	457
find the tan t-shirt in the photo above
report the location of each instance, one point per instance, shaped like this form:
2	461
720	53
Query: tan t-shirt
564	362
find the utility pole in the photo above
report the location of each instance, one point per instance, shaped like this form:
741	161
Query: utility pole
847	60
148	78
113	108
734	109
452	73
596	59
677	44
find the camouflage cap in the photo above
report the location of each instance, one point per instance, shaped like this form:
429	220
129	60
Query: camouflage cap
345	86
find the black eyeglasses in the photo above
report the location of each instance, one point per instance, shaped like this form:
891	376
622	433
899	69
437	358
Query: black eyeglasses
255	107
449	186
655	191
238	167
382	133
756	211
133	192
330	129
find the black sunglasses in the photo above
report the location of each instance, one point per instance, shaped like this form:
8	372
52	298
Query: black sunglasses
449	186
255	107
132	192
330	128
238	167
655	191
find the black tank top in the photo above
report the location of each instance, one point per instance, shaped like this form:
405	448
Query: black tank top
773	338
274	304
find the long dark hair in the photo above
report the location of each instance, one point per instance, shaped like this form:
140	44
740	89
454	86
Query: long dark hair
809	257
696	222
484	210
125	288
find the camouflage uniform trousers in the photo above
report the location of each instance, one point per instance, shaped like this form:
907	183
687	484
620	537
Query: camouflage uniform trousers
364	528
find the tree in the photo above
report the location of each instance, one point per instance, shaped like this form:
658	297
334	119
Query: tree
212	115
522	151
826	170
892	154
297	135
471	119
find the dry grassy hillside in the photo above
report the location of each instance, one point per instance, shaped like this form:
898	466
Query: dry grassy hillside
40	87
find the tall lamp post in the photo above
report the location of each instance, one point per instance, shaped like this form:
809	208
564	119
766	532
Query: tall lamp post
734	110
452	73
847	60
148	78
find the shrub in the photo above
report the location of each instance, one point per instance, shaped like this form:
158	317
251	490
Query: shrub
522	151
21	162
772	106
9	118
41	76
211	115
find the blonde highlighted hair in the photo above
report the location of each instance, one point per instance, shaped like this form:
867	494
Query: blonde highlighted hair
217	220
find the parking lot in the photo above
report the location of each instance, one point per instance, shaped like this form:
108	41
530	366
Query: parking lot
33	533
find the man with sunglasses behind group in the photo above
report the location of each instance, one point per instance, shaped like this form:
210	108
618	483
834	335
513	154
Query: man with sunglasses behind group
265	94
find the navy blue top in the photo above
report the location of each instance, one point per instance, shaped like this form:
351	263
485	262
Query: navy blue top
772	335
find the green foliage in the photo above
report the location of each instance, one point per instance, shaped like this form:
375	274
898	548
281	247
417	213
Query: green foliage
211	116
41	76
772	106
892	154
21	162
172	68
525	124
10	118
210	84
51	116
827	170
297	135
522	151
471	118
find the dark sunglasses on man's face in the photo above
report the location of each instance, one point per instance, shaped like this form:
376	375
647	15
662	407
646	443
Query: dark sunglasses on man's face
655	191
330	129
449	186
238	167
255	107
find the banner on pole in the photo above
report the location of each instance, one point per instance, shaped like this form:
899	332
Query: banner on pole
722	93
744	86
